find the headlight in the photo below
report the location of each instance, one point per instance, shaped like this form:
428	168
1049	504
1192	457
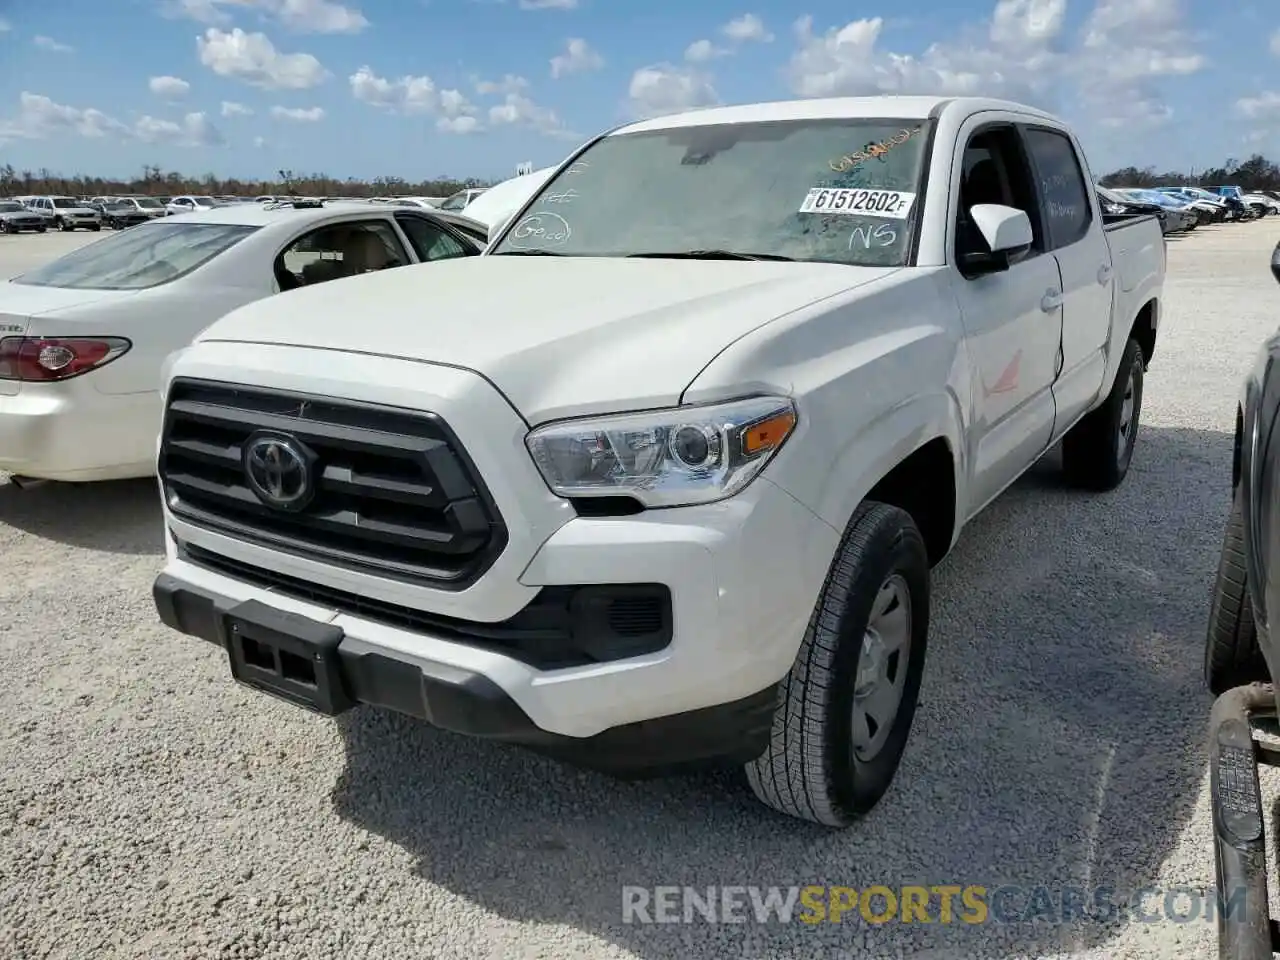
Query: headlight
664	458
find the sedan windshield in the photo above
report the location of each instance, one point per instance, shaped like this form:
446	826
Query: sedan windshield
829	190
145	256
148	202
205	201
11	206
62	203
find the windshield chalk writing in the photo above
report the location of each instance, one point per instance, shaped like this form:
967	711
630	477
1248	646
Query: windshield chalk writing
564	196
550	228
578	166
872	235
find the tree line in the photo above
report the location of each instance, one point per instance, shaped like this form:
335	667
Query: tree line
153	181
1256	173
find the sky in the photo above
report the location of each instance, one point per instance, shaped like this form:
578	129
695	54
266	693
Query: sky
473	88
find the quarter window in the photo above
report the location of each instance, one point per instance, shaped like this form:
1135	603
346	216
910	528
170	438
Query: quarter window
1062	186
430	242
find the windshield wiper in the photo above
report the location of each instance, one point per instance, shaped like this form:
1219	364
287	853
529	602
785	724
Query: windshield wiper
712	255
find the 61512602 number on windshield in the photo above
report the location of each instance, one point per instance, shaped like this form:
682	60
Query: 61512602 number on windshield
853	200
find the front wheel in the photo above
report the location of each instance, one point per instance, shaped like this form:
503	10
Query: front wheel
1097	451
846	707
95	227
41	229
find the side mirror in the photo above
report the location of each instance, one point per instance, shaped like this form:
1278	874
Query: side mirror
1275	263
1008	236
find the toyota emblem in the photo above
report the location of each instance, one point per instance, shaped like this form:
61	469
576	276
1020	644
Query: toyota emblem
278	471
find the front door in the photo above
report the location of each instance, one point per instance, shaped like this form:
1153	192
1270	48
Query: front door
1012	319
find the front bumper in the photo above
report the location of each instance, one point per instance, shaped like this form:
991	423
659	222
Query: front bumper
1245	929
347	670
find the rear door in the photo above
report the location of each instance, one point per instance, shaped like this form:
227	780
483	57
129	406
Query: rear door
1073	226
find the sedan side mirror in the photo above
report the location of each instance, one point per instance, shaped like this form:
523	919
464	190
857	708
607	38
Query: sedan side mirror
1275	263
1008	236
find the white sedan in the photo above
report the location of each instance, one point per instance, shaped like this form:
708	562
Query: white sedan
83	339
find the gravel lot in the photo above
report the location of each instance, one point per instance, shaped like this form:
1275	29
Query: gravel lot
150	807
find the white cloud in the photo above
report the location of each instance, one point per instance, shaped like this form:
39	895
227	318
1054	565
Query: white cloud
253	58
578	57
548	4
508	84
666	88
1020	53
300	16
1275	43
39	117
746	28
5	25
52	45
701	51
1265	106
299	114
259	142
195	130
232	109
170	88
454	113
517	110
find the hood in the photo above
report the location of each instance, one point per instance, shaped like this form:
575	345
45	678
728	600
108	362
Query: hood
25	214
559	337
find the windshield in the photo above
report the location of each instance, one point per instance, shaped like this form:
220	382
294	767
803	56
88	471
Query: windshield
145	256
119	205
148	202
11	206
62	203
205	201
829	190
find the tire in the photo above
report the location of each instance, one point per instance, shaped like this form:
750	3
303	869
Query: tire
95	227
813	768
1097	451
1232	653
42	229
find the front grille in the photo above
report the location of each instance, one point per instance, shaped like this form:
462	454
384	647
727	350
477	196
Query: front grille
565	626
395	493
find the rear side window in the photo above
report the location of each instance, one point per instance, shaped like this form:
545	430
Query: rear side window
1062	185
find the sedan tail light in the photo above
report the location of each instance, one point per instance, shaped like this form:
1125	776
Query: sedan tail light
50	359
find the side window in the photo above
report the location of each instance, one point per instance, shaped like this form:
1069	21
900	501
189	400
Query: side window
1062	184
994	169
429	241
338	250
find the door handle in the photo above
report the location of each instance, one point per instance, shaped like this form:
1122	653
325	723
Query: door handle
1052	301
1105	274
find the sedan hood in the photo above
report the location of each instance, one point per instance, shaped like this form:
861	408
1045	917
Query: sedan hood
558	336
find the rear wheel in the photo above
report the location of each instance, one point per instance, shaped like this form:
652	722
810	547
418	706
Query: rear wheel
1232	653
845	709
1097	451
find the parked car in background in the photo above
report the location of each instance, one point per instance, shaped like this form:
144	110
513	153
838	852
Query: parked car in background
673	460
118	214
148	206
66	213
498	203
1113	202
190	204
16	217
461	199
86	334
1262	205
1182	215
1212	204
1233	197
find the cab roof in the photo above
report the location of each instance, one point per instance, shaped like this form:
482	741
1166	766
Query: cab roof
266	215
832	108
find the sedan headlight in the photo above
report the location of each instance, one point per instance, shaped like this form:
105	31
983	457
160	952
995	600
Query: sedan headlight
664	458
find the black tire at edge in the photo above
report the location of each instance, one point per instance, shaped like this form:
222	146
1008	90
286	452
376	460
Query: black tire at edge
1232	655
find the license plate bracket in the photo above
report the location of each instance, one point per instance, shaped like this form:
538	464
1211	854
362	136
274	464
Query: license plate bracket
288	656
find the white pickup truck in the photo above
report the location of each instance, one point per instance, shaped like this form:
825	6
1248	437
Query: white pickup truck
659	479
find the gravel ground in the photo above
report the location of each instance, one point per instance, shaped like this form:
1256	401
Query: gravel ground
150	807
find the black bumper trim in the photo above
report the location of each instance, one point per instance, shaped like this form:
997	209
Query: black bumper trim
472	704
